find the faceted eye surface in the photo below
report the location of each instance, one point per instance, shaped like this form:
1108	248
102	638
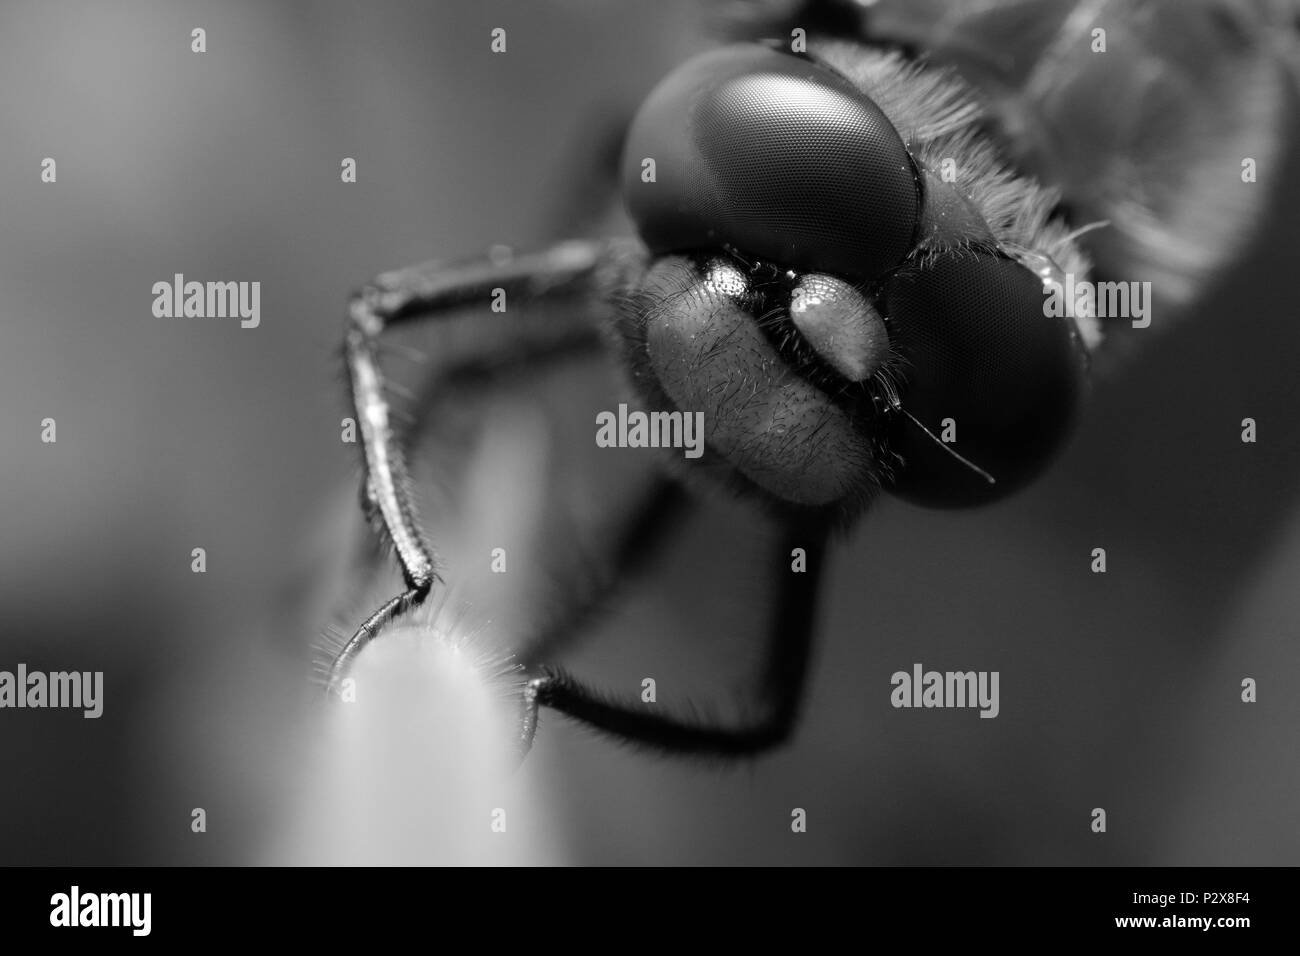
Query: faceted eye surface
979	350
776	156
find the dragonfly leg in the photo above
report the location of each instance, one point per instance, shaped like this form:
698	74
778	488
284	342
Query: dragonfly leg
778	696
424	293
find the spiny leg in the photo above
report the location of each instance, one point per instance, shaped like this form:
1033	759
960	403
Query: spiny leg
789	641
658	511
432	291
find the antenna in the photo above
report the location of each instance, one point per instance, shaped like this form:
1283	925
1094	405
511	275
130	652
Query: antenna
965	461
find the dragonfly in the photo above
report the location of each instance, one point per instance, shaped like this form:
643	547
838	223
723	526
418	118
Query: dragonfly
846	227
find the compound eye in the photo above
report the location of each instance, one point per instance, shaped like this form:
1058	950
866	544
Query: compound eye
775	156
982	365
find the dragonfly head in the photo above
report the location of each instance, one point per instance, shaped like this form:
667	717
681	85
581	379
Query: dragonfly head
845	318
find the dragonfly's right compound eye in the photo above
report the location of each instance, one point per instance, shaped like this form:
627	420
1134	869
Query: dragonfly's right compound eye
775	156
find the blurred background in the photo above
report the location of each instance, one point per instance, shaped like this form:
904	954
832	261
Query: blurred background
1119	690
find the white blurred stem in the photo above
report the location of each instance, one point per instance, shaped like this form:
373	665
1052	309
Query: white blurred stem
420	768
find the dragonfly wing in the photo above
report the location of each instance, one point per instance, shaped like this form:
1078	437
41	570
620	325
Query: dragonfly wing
1148	135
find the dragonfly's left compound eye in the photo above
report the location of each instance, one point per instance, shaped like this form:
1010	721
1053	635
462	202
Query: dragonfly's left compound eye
986	372
774	156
